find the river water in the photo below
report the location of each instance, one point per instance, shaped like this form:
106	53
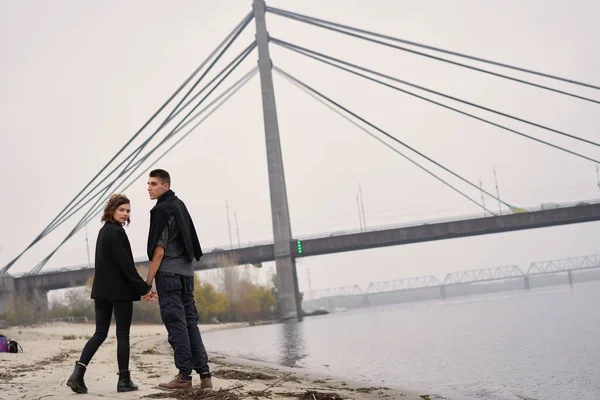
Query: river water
542	344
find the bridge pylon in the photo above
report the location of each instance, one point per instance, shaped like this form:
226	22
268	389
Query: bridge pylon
287	279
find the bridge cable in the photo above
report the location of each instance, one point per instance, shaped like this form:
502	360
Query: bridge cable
244	53
226	95
240	26
316	95
136	165
313	22
183	122
225	41
217	58
103	191
186	120
217	102
241	56
319	57
338	105
98	204
447	106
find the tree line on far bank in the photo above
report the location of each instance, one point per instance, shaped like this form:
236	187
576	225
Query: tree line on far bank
232	298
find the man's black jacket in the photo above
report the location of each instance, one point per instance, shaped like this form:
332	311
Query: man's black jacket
168	204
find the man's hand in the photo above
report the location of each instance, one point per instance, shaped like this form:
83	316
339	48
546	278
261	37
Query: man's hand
150	296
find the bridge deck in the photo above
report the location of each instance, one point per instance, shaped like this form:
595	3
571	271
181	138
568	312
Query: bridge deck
356	241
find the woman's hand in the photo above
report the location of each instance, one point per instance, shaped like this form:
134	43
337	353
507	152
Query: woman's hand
150	296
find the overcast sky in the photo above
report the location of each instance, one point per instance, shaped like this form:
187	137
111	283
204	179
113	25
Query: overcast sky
78	78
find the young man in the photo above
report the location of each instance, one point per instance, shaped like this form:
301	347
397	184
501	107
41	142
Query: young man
172	247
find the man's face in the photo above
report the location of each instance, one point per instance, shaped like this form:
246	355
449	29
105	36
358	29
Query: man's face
156	188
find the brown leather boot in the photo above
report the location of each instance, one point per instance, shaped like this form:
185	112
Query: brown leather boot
206	383
177	383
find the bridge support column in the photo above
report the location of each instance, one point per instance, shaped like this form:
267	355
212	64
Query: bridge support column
7	295
526	284
570	278
288	292
366	302
37	299
443	292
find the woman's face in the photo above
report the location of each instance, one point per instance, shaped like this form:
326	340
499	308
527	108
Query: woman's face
122	213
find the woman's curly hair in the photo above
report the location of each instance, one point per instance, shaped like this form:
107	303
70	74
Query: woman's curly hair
111	206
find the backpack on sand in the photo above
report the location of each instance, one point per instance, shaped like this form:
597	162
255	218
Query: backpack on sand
3	344
14	347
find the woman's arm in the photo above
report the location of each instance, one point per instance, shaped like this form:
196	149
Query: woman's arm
124	260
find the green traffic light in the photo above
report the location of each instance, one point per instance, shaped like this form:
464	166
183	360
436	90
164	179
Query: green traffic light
299	247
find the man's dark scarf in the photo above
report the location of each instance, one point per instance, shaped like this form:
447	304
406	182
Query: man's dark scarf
168	204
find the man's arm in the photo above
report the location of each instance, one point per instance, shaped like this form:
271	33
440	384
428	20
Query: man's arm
159	253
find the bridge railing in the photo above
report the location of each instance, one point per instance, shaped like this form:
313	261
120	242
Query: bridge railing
70	319
403	284
485	274
437	221
55	270
565	264
335	292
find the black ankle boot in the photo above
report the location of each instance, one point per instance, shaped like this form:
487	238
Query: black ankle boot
125	383
75	381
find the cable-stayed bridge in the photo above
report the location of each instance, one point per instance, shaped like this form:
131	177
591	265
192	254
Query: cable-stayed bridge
37	285
192	103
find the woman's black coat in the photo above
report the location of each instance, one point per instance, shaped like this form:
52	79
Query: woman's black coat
115	276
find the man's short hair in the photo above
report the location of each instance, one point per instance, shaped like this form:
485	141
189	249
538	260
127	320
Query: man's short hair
162	175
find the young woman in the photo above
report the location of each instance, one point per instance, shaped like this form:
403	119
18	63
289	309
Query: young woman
116	286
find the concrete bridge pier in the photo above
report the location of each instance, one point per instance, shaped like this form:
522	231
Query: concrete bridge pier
570	278
366	302
7	295
37	298
526	283
443	292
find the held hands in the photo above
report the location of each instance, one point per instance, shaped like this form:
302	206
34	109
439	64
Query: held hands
151	296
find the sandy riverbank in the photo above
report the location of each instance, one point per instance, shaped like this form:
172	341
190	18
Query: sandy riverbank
49	355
